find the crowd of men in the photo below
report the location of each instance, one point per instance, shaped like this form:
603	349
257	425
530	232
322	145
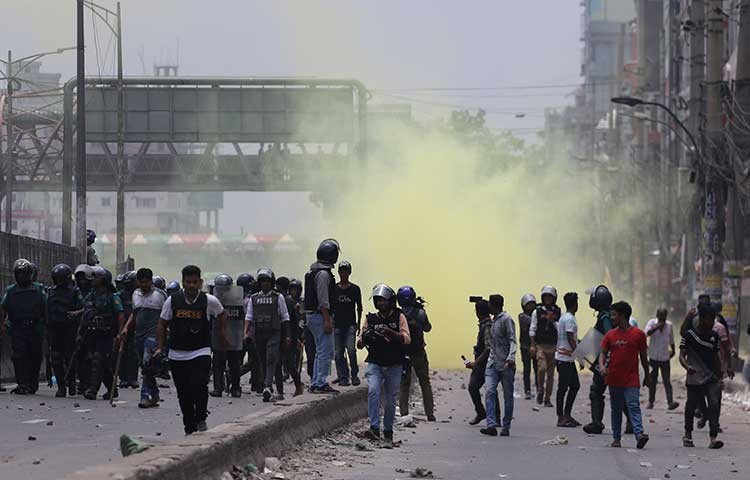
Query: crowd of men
99	330
612	350
102	331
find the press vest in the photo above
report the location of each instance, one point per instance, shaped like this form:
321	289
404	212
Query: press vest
415	330
546	332
266	311
312	303
60	301
189	328
382	352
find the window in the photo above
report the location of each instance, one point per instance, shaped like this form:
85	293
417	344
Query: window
106	201
145	202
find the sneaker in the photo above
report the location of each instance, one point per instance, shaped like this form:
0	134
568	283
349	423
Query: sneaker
616	444
431	418
122	384
62	392
356	381
190	430
505	432
650	406
279	397
133	384
539	398
72	391
148	403
201	426
236	393
673	406
593	428
687	442
388	438
477	420
527	396
267	395
489	431
548	404
642	441
298	390
216	393
715	444
20	390
344	383
326	389
575	422
89	395
336	381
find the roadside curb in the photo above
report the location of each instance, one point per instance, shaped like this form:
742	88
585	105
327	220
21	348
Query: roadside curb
248	440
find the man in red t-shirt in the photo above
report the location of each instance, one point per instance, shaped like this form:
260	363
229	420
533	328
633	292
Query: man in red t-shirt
621	348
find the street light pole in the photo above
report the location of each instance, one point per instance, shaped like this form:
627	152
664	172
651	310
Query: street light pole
121	165
9	150
80	172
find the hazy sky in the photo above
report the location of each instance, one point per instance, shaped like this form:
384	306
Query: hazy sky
387	44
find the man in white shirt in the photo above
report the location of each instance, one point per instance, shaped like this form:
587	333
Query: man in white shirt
567	382
660	351
187	314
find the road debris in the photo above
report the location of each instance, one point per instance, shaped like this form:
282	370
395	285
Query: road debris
558	440
129	445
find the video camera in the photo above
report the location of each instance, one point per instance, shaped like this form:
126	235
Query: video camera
475	298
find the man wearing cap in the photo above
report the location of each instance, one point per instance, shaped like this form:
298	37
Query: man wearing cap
528	305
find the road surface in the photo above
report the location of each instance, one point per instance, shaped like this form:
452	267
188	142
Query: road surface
452	449
84	432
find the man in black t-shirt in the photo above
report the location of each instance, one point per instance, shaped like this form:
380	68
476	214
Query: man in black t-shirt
699	355
346	326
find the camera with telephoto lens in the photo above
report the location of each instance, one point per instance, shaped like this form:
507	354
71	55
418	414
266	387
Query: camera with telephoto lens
475	298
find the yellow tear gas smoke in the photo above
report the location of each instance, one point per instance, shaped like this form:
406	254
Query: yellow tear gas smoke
421	215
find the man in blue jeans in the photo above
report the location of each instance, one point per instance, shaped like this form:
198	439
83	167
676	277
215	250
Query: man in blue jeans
347	323
147	304
384	334
320	303
501	367
622	347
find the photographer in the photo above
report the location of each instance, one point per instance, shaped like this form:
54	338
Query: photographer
481	353
419	324
384	334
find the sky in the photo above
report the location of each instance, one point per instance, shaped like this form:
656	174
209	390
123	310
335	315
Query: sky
512	51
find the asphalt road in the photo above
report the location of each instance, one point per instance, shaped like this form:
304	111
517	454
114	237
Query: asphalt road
452	449
86	432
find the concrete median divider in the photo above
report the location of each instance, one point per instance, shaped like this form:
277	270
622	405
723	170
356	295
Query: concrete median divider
248	440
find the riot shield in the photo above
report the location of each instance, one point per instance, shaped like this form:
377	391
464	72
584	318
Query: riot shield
589	348
232	300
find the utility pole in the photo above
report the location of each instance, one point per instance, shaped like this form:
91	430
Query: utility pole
121	165
10	153
81	136
713	215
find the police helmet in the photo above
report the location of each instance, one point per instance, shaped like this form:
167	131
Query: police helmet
159	282
22	265
84	270
128	279
265	274
601	298
549	290
90	236
406	296
99	272
328	251
173	287
245	280
61	271
118	280
223	280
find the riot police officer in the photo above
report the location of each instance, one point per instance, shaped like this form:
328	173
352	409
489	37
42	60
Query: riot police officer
267	315
227	348
64	300
173	287
129	367
104	319
290	350
419	324
91	258
249	286
159	282
84	278
24	306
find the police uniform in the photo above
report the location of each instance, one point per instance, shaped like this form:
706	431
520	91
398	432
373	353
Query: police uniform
290	355
229	355
101	317
129	364
25	308
62	331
